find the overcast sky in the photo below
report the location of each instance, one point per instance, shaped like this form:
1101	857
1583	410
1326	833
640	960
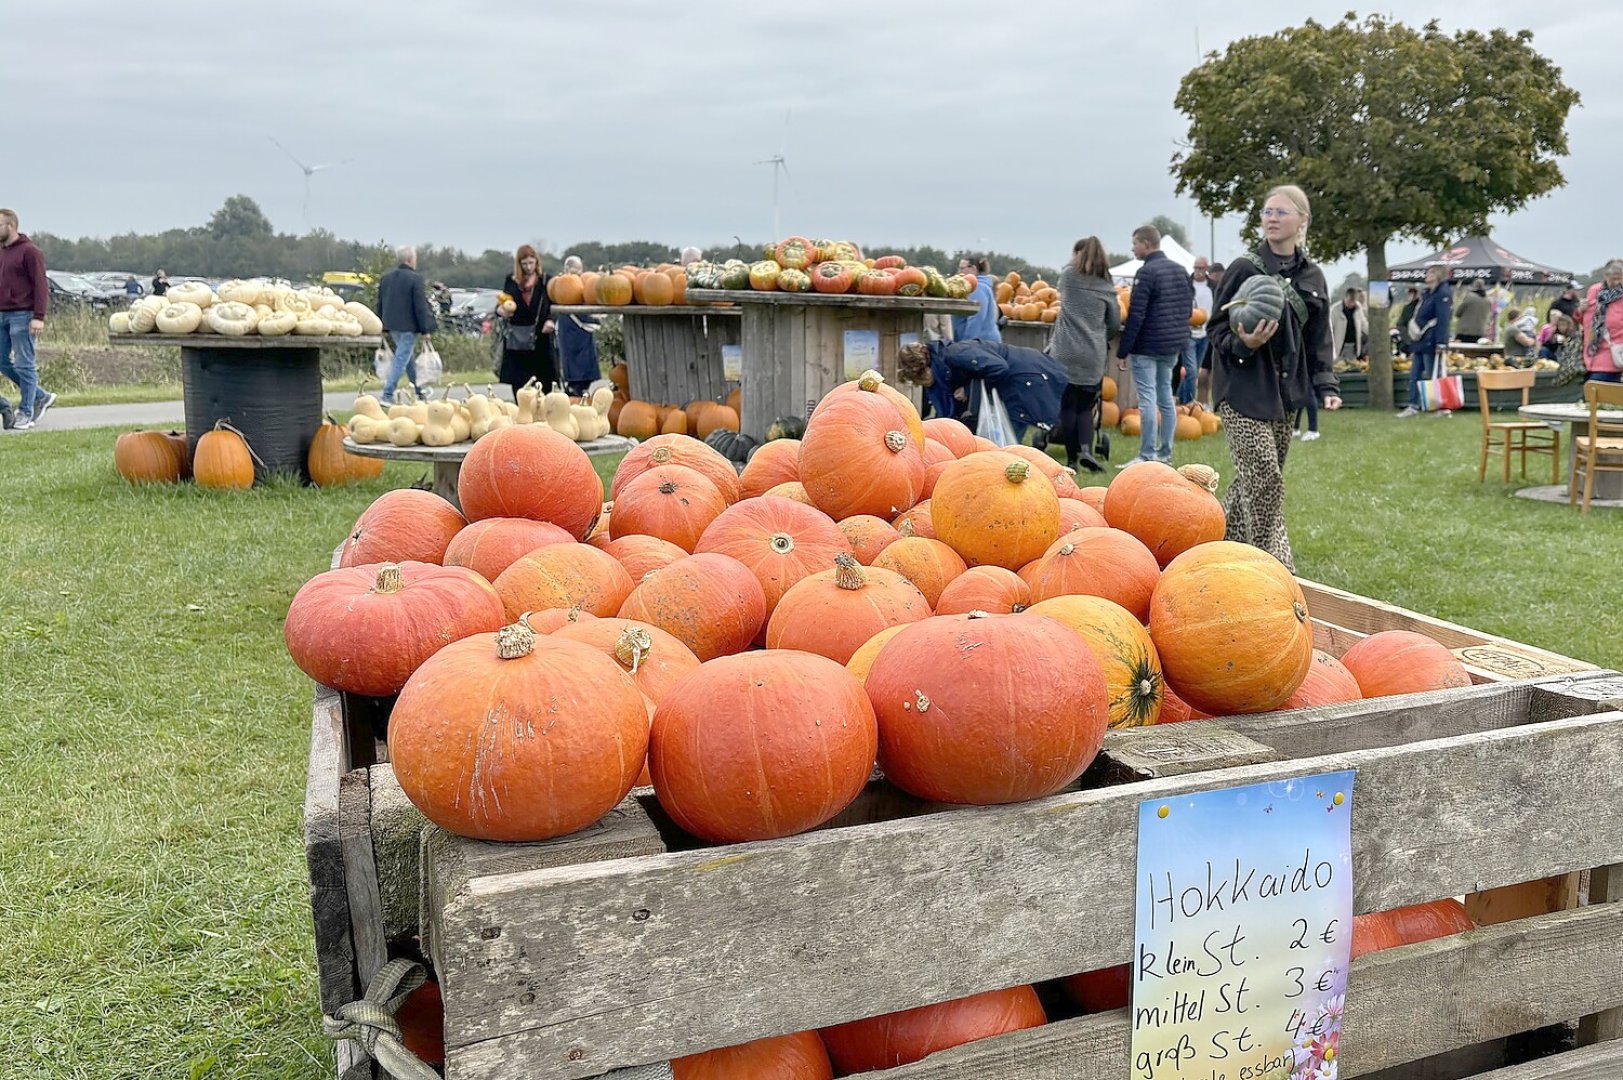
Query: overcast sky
1015	128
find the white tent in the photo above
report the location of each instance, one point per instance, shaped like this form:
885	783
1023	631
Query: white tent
1124	274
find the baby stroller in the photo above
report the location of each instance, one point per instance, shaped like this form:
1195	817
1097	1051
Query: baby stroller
1101	437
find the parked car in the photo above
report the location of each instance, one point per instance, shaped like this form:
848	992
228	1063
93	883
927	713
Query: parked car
473	313
73	289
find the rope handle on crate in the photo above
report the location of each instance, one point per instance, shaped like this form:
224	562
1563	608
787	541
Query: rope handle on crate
370	1021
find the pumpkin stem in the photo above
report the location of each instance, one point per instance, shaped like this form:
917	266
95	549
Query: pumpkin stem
390	579
661	455
1016	609
667	488
848	572
1204	475
222	425
516	640
1068	549
906	528
870	381
633	648
1017	471
979	614
1300	609
781	543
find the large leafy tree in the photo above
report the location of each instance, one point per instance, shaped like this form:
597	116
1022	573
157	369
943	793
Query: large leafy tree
1392	131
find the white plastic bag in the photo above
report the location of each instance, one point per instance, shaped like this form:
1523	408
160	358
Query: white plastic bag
429	367
381	359
993	422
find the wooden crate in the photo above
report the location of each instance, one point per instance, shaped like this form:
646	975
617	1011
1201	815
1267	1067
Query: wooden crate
673	354
366	843
1028	335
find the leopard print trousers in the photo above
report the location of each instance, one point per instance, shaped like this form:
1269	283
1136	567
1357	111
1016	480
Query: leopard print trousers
1256	497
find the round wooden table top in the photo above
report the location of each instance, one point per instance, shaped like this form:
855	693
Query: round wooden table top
435	455
1568	412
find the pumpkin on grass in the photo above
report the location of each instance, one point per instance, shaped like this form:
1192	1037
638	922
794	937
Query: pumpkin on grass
641	554
929	564
490	546
857	458
869	536
405	525
709	602
531	472
562	576
146	457
991	589
1232	628
671	502
1097	562
510	736
365	629
990	509
832	612
677	450
1403	662
330	465
761	745
987	708
223	460
1328	682
901	1038
779	540
773	463
1126	655
1170	510
800	1056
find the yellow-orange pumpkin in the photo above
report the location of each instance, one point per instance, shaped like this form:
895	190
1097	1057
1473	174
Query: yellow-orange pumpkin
330	465
1097	562
223	460
563	576
991	510
929	564
1127	657
638	420
709	602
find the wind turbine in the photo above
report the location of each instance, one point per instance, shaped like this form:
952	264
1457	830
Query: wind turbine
309	171
779	167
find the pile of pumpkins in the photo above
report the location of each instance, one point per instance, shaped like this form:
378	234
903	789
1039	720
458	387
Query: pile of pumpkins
447	421
1194	420
1039	301
242	308
224	461
800	265
753	644
661	286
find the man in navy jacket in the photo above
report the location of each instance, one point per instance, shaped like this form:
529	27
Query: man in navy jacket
1156	333
403	307
1435	317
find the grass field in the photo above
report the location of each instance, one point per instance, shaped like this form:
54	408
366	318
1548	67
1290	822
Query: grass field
153	898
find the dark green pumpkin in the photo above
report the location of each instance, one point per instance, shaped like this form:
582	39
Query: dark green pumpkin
1259	297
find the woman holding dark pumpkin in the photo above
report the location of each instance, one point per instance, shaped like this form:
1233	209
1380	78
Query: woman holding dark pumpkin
1263	370
527	348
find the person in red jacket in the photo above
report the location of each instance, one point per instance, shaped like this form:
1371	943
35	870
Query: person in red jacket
23	298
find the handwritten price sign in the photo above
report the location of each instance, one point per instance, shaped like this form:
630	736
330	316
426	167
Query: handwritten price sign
1243	933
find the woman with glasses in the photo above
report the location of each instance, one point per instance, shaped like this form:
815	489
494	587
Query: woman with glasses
1261	375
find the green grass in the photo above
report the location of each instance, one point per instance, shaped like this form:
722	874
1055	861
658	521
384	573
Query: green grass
153	897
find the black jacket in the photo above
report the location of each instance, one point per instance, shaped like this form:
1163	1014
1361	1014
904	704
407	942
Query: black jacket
1272	383
1158	314
537	311
403	303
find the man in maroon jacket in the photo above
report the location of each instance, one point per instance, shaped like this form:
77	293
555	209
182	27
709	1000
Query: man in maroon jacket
23	297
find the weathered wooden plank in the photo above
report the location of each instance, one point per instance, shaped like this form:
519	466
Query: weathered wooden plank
329	903
748	300
361	875
633	312
1499	808
397	829
1605	888
1603	1062
758	384
1404	1005
353	1062
1176	749
825	352
221	341
450	862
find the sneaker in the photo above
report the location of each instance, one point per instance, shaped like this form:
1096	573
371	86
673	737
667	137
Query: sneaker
22	422
1309	436
1408	411
1445	412
1090	463
1296	434
45	402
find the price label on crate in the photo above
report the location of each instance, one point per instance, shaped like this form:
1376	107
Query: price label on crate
1244	929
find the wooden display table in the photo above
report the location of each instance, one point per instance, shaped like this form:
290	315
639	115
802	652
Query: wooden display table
447	460
269	389
1608	485
673	354
1027	335
799	346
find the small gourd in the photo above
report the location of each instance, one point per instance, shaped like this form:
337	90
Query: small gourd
602	401
587	420
404	431
366	405
462	423
398	410
526	403
559	416
366	431
437	430
1258	297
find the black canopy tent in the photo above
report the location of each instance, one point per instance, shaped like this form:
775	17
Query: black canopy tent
1482	258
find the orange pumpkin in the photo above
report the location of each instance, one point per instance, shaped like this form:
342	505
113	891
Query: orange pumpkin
1104	990
761	745
900	1038
1187	429
146	457
1127	657
1043	463
985	709
991	510
985	444
552	619
654	290
1075	514
613	290
655	660
709	602
422	1023
800	1056
620	376
641	554
588	287
1094	497
638	420
330	465
868	536
675	423
929	564
781	541
857	458
832	612
531	472
1170	510
1097	562
671	502
1175	710
991	589
1107	389
365	629
1373	932
937	453
222	460
873	383
861	661
1328	682
490	546
677	450
1415	923
1109	414
792	490
462	736
1130	423
400	526
773	463
1232	629
932	476
562	576
716	418
917	521
1403	662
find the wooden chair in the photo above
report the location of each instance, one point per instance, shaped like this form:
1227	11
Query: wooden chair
1601	450
1514	437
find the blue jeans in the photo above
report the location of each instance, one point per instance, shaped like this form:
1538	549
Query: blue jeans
16	340
404	363
1419	371
1192	355
1604	376
1158	413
